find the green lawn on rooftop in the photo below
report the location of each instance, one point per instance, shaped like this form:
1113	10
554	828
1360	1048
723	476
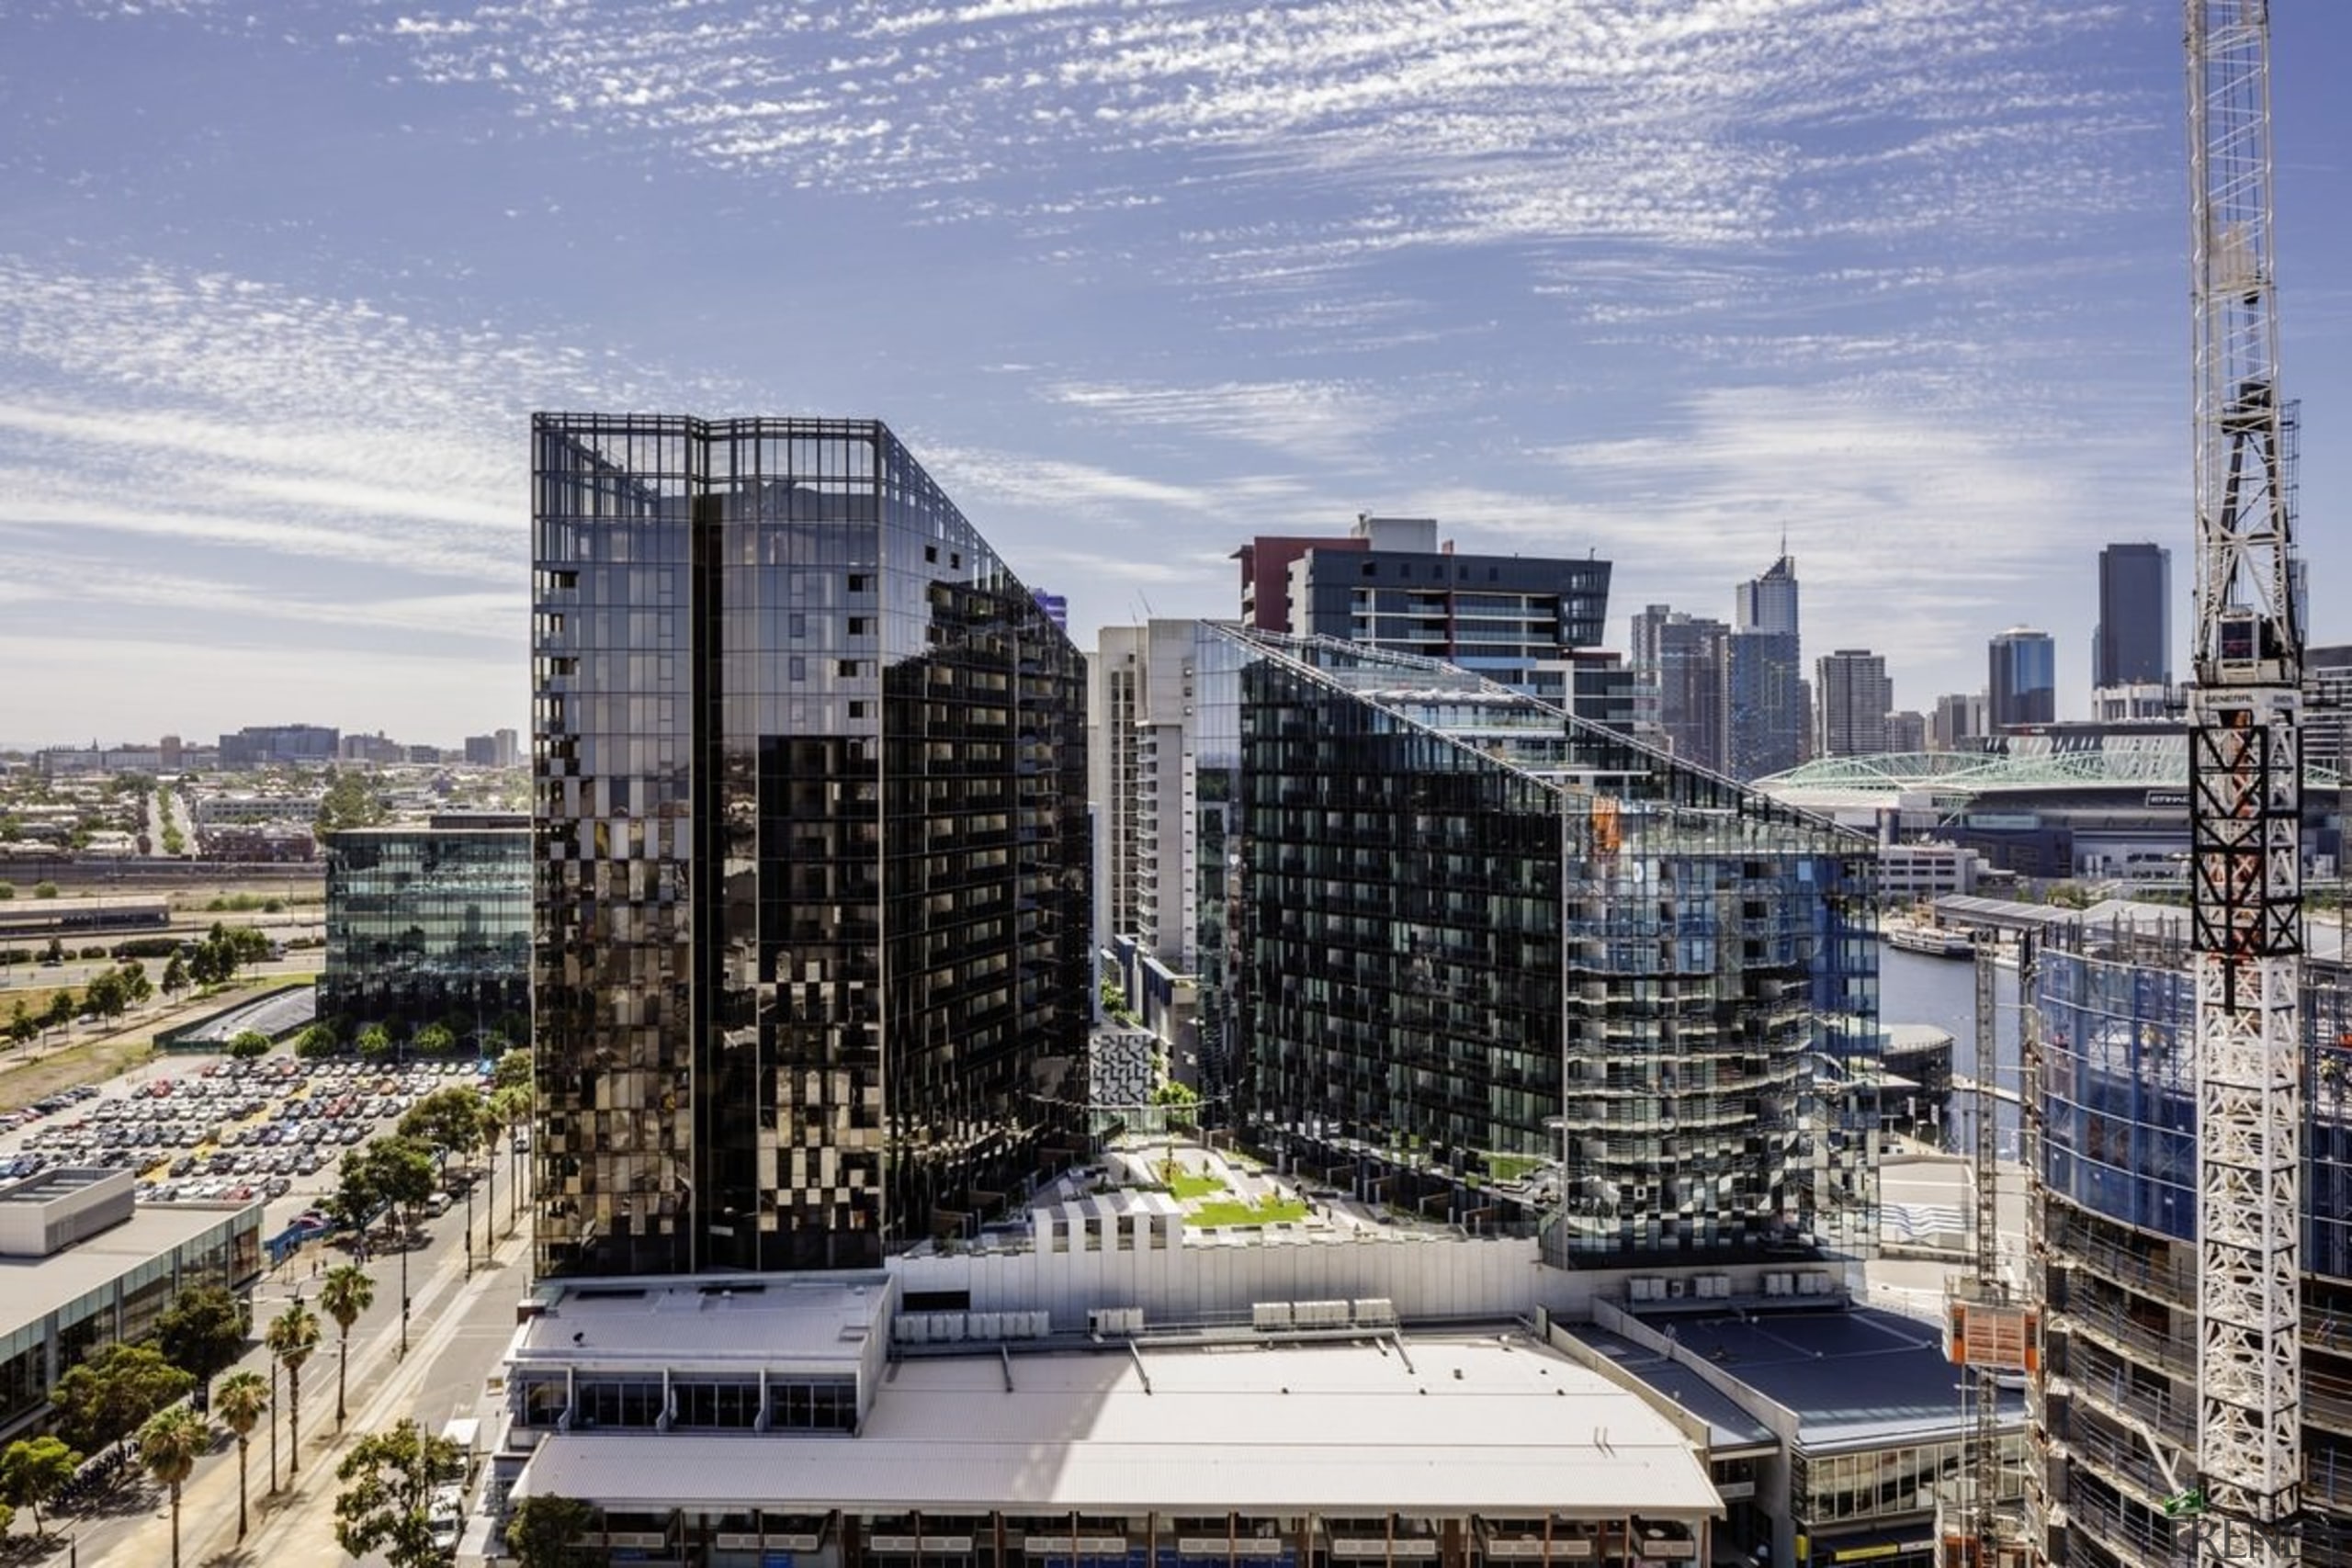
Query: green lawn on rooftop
1186	1182
1233	1211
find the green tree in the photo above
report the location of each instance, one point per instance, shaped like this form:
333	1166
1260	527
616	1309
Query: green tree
1181	1101
176	976
44	889
247	1044
60	1010
386	1505
291	1336
448	1120
351	800
511	1105
22	1025
203	1331
7	831
320	1039
513	1070
346	1292
375	1043
105	1398
106	995
355	1198
241	1402
168	1446
33	1471
399	1172
544	1531
434	1040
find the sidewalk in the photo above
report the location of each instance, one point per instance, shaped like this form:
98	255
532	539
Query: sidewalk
295	1527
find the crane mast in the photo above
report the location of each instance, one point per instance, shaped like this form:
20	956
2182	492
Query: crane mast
2245	814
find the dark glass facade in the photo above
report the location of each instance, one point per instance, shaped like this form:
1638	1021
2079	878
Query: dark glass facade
810	762
1492	960
424	924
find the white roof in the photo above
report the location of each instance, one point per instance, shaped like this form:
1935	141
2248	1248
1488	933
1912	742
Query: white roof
820	1320
1497	1425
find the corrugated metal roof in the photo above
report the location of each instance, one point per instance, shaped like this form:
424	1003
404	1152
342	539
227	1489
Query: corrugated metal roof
1447	1426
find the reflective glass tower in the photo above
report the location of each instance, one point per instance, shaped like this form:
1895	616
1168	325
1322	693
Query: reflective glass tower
1485	960
809	769
2022	685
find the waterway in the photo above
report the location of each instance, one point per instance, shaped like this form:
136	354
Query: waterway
1915	989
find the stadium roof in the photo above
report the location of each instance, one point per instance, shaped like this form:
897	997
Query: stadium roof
1953	779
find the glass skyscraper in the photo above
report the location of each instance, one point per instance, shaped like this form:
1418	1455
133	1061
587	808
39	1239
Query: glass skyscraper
809	767
1489	961
2021	687
427	923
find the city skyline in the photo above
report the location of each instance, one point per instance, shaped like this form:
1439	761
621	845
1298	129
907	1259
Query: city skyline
1903	281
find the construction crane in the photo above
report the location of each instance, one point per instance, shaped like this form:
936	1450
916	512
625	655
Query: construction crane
2245	816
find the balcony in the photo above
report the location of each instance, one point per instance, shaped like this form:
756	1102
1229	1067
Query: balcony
2128	1535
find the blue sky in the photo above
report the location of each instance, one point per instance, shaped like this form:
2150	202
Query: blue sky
281	280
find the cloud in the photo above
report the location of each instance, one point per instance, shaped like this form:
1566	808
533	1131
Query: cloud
1703	125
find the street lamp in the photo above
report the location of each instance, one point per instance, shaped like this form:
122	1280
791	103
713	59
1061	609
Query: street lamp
272	1424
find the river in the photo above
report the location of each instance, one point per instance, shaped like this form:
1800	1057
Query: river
1915	989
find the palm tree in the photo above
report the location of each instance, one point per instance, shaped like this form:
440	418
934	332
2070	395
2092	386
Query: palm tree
346	1292
514	1104
241	1399
492	1122
168	1445
293	1334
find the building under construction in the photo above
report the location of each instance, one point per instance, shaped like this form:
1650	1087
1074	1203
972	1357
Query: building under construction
2116	1250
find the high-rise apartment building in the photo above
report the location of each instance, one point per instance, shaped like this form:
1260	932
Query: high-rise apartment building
1526	621
1164	832
1678	664
2022	688
1493	958
810	969
1854	697
2133	644
1906	732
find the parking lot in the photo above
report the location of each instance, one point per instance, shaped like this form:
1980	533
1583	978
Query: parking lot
214	1131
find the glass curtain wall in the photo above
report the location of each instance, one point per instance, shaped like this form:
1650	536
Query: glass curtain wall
813	871
1491	962
427	924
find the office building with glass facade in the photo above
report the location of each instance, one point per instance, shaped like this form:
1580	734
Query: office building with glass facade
2111	1071
428	923
811	964
1491	962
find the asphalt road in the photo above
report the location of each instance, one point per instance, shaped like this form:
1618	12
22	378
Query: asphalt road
459	1330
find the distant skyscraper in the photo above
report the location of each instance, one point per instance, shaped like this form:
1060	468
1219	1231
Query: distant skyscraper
1958	721
1854	695
2133	644
1764	676
1679	673
811	974
1906	732
1768	604
2023	686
